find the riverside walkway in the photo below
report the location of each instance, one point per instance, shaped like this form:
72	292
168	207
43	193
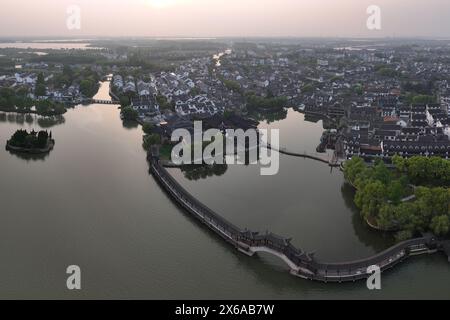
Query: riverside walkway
301	264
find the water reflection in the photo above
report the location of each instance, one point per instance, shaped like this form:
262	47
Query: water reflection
370	237
21	119
47	122
11	117
29	118
29	156
127	124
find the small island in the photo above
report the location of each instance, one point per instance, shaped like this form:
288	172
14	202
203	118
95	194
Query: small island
30	142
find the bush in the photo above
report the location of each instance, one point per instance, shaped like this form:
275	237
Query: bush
129	113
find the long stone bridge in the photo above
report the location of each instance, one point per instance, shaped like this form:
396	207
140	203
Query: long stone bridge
301	264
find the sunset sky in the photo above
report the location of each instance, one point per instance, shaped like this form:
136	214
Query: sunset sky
209	18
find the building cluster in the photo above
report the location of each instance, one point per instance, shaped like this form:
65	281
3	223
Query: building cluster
26	82
184	92
411	130
24	79
371	89
390	97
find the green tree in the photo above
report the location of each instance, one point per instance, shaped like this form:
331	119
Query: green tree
386	217
309	88
163	102
147	128
396	191
124	101
256	102
440	225
232	85
406	216
404	235
86	87
423	99
40	90
40	78
150	140
433	201
68	72
417	169
399	163
387	72
353	168
358	89
382	173
371	198
42	139
129	113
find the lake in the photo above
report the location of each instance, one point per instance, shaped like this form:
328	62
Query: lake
91	202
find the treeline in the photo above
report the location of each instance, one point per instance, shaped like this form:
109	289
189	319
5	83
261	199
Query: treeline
433	171
10	99
419	99
386	71
419	88
142	61
86	77
129	114
380	194
49	108
18	101
232	85
77	57
269	103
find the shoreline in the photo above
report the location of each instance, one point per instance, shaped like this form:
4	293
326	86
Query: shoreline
50	146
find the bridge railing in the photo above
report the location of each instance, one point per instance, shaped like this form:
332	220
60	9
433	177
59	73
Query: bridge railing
373	260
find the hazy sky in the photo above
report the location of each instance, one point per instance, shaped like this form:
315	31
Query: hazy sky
206	18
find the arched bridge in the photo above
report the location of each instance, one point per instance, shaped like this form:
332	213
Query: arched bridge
301	264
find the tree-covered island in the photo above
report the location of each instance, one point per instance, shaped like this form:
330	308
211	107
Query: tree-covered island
30	142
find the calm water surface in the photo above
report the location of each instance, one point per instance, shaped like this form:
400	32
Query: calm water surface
91	202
